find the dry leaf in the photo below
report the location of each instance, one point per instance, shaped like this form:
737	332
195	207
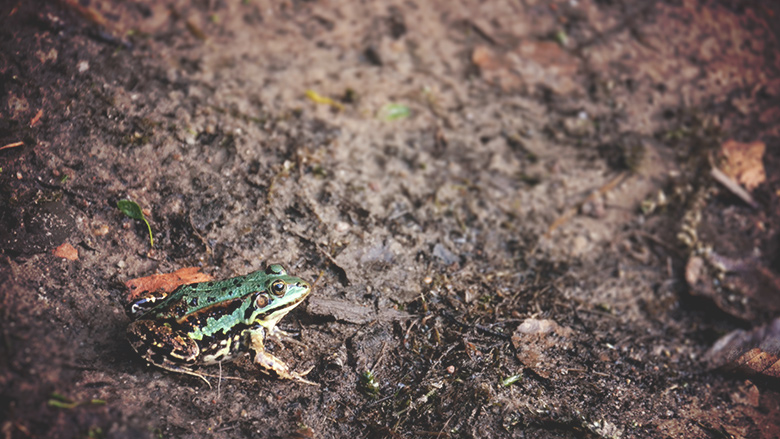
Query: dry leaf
66	251
546	64
743	162
755	352
166	282
495	69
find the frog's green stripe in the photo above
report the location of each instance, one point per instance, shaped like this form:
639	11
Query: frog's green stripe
230	314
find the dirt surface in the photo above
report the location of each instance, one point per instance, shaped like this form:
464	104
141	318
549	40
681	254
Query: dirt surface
469	203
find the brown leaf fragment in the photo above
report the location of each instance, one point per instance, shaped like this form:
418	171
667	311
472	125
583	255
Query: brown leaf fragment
66	251
495	69
743	287
544	64
166	282
755	352
743	162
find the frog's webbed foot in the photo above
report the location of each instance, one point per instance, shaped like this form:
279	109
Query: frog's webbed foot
300	377
278	332
270	362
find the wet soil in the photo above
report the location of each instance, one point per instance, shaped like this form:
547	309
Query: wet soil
463	180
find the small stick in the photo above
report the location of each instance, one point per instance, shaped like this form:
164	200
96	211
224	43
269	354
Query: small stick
12	145
733	186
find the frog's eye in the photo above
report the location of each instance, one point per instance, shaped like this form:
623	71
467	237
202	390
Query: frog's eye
279	287
262	301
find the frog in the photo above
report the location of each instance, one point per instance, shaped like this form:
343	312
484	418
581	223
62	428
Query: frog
212	322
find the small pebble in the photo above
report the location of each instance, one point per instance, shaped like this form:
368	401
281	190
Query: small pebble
342	227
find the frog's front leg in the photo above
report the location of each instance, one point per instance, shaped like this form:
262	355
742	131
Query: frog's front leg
163	346
257	345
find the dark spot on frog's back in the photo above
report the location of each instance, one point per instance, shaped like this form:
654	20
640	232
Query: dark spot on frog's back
194	301
248	313
236	282
200	317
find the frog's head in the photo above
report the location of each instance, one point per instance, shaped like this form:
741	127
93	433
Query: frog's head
281	294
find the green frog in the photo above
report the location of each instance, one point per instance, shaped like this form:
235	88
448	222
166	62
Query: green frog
211	322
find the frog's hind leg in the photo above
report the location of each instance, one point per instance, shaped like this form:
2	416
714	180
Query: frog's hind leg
164	347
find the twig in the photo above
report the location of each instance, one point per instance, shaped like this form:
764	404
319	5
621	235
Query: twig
11	145
479	328
36	118
733	186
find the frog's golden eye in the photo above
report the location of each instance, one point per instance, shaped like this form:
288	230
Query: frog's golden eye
279	288
262	301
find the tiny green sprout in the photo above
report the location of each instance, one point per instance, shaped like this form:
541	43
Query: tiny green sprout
508	381
368	383
394	112
63	402
561	38
133	210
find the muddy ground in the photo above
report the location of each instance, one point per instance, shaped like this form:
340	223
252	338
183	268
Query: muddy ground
478	203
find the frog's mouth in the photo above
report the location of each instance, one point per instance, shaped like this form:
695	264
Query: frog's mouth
271	317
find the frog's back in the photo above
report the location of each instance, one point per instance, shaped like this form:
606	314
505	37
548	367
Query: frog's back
189	299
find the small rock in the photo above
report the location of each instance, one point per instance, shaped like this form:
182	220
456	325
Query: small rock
579	245
445	255
693	270
341	227
100	230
